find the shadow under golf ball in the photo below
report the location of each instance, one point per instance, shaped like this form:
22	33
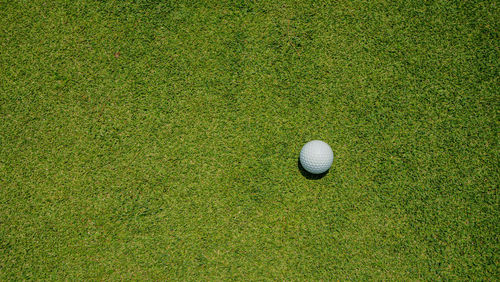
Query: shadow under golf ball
309	175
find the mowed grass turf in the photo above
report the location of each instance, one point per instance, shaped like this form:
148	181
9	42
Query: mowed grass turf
159	140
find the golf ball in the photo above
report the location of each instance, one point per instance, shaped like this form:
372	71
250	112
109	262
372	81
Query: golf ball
316	157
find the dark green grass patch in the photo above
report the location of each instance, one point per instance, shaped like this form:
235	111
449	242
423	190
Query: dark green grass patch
159	140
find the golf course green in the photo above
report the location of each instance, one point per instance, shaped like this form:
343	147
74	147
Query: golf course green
159	140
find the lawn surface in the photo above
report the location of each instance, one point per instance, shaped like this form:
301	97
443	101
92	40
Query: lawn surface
159	139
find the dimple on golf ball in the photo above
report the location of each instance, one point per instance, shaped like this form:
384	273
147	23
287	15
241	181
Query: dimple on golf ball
316	157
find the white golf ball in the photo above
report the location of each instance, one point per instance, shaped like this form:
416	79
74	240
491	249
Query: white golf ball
316	157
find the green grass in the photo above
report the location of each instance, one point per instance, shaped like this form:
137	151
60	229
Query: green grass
159	139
